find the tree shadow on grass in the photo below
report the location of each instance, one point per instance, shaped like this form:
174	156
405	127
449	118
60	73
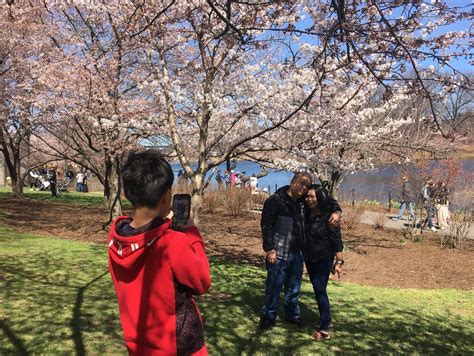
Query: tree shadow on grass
54	303
20	348
362	324
76	319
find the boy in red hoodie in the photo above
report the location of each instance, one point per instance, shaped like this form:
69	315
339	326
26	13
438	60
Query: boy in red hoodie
155	269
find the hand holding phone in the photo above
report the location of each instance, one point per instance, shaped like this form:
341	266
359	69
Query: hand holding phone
181	209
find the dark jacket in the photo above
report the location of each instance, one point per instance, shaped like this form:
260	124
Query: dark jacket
428	194
282	222
407	192
52	176
320	240
442	196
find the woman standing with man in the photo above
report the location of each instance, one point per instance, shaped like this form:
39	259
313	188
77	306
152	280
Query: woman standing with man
322	243
283	233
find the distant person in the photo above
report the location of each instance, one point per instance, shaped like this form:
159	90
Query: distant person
53	180
442	204
227	178
156	269
87	175
253	183
33	179
406	200
282	234
322	251
245	180
69	174
238	180
428	196
80	179
220	180
233	179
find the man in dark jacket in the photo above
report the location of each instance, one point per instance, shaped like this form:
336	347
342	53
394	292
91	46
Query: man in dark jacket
282	233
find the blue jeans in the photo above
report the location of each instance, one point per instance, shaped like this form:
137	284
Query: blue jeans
287	274
319	276
410	209
431	210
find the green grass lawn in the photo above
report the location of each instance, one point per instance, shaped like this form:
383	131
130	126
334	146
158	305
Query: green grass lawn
57	298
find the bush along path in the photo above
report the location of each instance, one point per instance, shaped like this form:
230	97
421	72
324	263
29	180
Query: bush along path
57	297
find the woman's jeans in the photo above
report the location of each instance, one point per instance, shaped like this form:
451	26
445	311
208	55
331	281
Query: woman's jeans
283	274
431	211
411	211
319	276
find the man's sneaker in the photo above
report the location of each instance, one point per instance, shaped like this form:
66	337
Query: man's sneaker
266	324
396	219
297	322
433	229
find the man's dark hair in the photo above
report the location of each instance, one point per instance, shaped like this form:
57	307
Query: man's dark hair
146	177
298	175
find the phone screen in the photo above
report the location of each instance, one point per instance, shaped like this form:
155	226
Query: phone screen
181	208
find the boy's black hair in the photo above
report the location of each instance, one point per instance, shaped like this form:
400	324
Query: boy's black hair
146	176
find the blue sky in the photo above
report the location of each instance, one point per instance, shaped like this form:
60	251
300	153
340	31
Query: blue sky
461	64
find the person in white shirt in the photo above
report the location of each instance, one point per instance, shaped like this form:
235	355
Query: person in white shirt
80	182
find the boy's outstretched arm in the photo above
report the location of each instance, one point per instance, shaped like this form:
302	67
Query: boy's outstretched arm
189	262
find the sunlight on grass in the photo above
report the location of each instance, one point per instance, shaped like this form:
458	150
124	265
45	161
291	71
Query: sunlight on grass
92	198
57	297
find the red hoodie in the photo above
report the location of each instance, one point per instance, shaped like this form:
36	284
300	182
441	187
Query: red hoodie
156	270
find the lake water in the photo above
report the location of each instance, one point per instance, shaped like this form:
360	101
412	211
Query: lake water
373	185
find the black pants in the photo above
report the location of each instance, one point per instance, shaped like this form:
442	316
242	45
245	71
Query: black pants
54	191
319	276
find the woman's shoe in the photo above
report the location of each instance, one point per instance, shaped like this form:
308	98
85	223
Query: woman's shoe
320	335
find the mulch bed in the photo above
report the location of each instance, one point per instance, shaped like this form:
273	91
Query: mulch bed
374	257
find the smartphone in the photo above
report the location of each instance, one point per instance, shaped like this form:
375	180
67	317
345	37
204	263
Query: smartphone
181	208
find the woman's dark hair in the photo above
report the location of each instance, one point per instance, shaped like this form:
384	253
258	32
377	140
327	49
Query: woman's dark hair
146	176
322	196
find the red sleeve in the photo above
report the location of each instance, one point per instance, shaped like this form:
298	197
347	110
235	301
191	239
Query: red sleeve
189	262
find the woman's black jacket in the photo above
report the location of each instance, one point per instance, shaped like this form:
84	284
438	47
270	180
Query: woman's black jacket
320	240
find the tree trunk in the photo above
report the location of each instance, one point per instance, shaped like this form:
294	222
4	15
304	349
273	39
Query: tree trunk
15	176
17	186
336	180
12	161
113	187
196	196
330	183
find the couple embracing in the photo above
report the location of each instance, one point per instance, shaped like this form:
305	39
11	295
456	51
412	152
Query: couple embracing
300	225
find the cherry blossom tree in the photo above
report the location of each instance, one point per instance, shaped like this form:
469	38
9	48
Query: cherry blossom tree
226	79
355	129
221	97
21	44
95	111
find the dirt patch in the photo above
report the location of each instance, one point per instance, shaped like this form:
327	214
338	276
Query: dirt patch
77	222
373	257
